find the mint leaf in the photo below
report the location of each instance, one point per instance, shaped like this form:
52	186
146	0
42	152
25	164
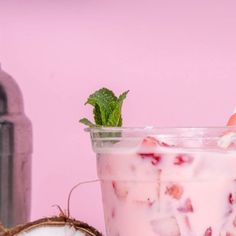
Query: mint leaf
103	93
123	96
115	118
104	99
106	108
120	122
85	121
97	115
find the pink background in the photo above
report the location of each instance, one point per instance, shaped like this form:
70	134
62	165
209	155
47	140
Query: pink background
178	58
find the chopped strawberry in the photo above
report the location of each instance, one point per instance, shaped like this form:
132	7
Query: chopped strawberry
150	142
208	232
165	227
230	198
154	158
175	191
120	189
187	207
147	152
183	159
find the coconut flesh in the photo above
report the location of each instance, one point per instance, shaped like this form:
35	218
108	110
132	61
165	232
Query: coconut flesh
58	226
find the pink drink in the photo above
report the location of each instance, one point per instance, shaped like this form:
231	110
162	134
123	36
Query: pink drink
166	182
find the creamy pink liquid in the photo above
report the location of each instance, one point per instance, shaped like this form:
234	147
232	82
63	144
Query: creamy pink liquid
153	189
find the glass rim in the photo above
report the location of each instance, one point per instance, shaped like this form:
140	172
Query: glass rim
160	128
211	136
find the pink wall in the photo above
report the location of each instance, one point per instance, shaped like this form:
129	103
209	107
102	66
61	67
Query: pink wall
178	58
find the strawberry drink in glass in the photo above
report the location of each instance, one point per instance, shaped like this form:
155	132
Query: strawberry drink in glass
166	181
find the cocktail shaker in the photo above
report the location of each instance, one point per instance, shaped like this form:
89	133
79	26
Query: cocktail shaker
15	154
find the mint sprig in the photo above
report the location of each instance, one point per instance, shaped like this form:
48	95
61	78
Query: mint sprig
107	108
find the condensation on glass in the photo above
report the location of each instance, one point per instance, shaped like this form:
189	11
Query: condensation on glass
15	154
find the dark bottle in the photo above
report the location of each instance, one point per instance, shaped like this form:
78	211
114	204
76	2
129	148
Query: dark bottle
15	154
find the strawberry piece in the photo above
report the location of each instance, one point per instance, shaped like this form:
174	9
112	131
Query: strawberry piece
183	159
208	232
230	198
150	142
175	191
165	227
232	120
120	189
154	158
231	201
187	207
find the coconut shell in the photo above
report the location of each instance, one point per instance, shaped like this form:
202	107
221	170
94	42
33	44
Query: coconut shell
53	221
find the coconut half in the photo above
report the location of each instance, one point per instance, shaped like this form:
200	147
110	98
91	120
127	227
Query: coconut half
58	226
